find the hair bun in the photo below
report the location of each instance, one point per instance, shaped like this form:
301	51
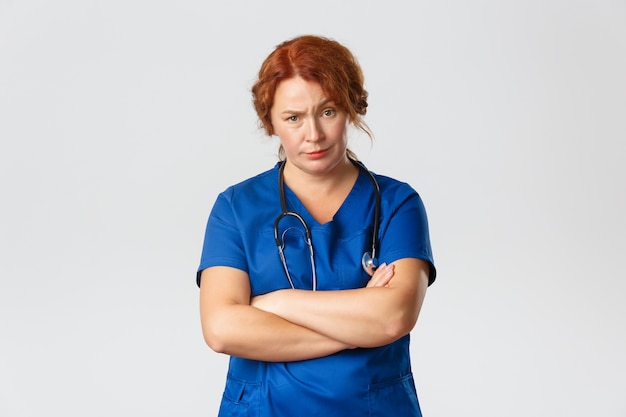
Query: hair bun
361	105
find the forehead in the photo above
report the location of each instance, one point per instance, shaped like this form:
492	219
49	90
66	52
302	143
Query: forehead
298	90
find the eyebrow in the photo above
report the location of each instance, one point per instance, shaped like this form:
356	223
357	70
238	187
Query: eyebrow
324	103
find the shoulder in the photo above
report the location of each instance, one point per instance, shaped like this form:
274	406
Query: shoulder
392	187
253	187
397	195
249	199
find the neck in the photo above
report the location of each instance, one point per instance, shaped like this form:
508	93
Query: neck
296	178
321	195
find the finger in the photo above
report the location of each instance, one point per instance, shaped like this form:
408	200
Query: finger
382	276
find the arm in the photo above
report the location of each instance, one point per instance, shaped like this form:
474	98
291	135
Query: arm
230	325
365	317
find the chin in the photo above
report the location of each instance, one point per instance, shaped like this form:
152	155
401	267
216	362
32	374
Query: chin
322	165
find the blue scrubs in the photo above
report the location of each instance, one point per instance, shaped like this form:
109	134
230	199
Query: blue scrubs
356	382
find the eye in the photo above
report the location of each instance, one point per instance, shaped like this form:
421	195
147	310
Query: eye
329	112
292	118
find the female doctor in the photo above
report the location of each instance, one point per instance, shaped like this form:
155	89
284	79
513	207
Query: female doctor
313	272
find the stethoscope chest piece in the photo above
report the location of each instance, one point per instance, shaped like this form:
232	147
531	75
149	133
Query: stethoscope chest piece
367	261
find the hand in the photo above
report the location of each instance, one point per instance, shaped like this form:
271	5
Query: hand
382	276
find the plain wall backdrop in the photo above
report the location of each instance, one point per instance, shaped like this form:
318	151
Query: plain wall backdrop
120	121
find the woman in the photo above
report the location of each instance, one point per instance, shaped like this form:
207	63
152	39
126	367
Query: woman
317	331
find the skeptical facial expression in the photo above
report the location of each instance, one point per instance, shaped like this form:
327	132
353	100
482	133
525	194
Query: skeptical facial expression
311	128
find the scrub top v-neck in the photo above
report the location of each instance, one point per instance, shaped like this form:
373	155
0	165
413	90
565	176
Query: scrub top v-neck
346	235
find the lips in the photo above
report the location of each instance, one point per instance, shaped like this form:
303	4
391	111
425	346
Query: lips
316	154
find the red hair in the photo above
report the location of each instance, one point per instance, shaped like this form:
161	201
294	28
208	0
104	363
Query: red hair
313	58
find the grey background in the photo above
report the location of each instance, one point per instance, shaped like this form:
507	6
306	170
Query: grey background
120	121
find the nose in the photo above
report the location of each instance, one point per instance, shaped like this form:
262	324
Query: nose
314	132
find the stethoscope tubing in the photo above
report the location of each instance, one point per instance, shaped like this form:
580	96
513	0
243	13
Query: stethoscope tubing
281	245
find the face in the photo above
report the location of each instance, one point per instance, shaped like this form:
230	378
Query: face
311	128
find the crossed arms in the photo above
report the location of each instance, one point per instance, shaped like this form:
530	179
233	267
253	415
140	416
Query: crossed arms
290	325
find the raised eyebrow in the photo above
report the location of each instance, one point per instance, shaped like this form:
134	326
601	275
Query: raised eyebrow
323	106
327	102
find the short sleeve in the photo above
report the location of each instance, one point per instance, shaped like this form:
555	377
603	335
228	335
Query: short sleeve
406	234
223	243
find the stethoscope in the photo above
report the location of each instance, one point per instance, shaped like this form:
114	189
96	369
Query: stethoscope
367	260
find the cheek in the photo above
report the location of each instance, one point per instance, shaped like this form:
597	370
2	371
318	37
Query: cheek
337	131
289	139
284	134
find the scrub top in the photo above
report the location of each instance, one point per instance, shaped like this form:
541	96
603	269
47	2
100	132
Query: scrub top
355	382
